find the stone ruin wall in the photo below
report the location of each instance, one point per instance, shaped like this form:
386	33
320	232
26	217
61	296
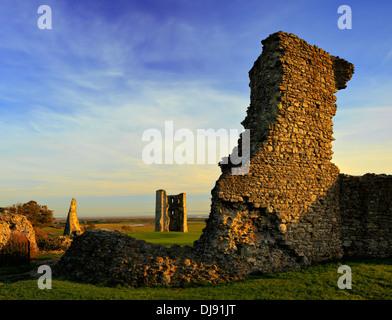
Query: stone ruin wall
285	212
170	212
366	215
292	209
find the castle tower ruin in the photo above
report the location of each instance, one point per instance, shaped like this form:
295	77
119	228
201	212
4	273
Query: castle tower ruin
170	212
284	213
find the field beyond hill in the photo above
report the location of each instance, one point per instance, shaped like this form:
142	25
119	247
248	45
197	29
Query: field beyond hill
141	228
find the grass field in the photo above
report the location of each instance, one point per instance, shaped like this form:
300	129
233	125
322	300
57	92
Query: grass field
169	238
371	280
143	229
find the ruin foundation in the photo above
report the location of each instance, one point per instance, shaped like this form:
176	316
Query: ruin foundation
292	209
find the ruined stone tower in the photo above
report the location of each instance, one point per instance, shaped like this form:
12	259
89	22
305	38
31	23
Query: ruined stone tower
72	225
170	212
284	213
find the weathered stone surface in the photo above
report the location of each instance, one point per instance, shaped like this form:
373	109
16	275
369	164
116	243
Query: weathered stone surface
72	226
16	223
112	258
366	211
284	213
162	220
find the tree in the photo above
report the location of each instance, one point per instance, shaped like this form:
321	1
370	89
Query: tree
88	226
38	215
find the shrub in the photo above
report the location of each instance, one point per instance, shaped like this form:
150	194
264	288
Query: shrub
53	243
17	239
16	250
126	229
88	226
39	234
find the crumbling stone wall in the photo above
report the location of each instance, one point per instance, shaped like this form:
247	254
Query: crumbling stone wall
285	212
292	209
170	212
112	258
366	211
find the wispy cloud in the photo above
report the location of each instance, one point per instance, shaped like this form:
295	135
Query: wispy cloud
96	149
387	57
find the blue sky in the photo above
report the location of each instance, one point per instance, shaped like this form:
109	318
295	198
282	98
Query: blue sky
76	99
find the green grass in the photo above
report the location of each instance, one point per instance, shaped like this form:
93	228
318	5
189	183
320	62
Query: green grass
372	279
54	231
167	238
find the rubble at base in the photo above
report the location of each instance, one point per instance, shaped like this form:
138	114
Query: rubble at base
113	258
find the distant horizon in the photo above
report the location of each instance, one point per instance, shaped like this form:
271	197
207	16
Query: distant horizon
189	215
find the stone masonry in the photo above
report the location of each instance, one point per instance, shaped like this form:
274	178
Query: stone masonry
366	215
284	213
292	208
170	212
72	226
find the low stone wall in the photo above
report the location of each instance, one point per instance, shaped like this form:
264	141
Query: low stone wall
366	211
112	258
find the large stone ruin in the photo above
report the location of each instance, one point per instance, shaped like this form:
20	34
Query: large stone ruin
170	212
292	209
